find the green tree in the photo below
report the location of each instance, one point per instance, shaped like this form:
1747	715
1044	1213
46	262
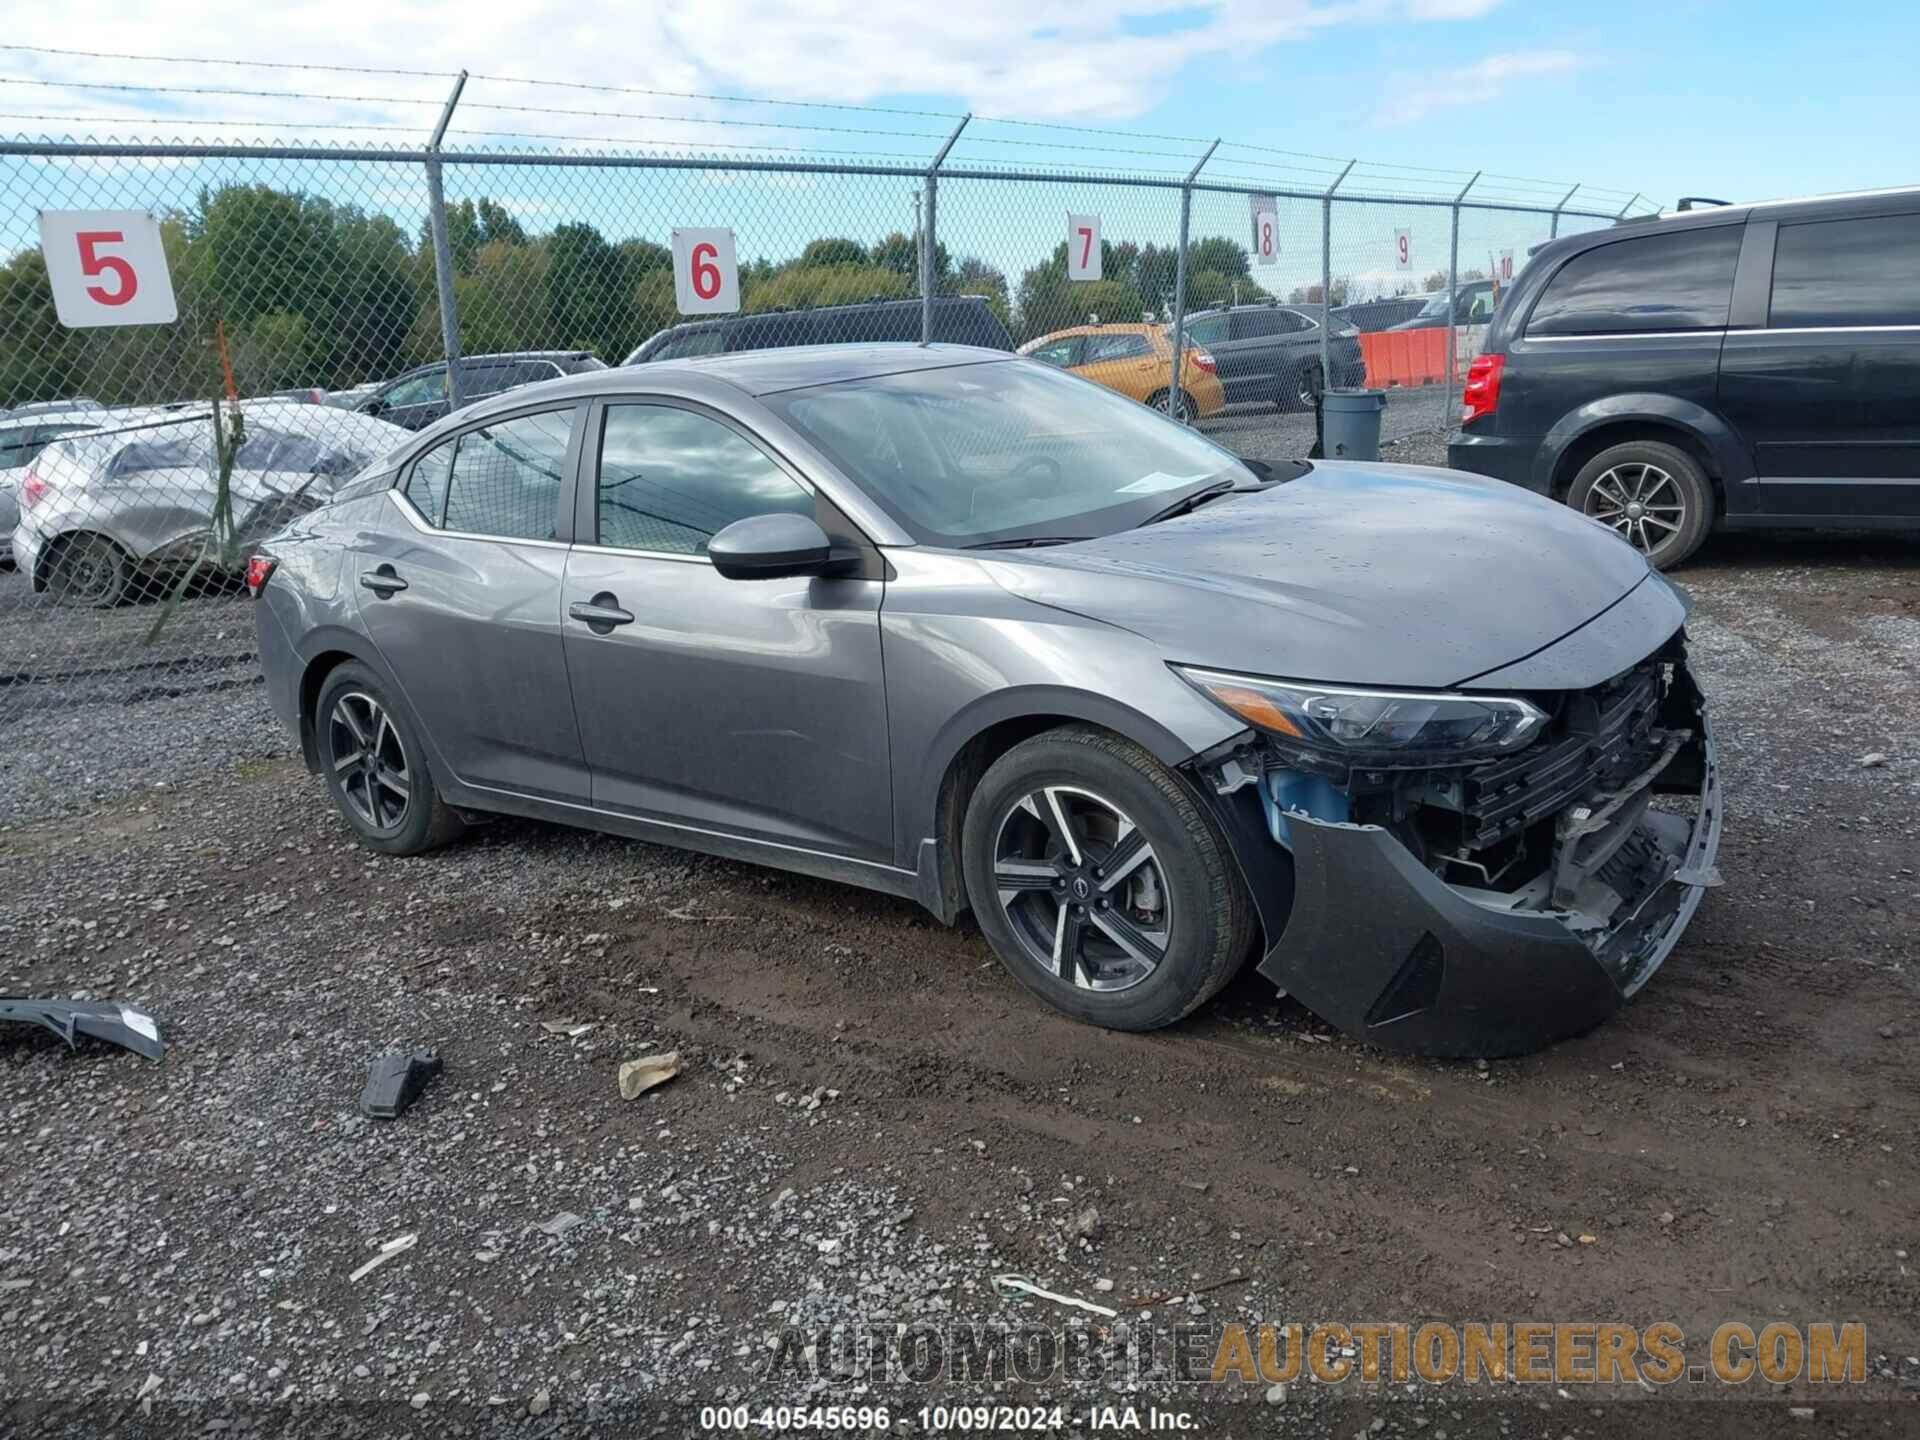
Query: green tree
804	287
1049	301
1219	254
833	250
586	292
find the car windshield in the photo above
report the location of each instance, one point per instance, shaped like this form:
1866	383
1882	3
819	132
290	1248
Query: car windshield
975	454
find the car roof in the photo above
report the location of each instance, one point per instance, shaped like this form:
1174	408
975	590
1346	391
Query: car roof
765	372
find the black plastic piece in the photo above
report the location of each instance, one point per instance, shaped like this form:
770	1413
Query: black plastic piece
395	1081
108	1020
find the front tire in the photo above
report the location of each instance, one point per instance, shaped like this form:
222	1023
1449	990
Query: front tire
376	766
1179	408
1653	495
1101	883
1303	391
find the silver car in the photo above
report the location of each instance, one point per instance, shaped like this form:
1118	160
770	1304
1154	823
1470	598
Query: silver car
22	438
130	499
959	627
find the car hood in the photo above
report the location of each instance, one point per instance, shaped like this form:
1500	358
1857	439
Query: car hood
1365	574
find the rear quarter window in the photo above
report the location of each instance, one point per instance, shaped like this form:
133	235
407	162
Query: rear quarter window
1679	281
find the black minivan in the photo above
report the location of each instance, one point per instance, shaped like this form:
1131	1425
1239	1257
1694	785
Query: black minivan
957	320
1751	366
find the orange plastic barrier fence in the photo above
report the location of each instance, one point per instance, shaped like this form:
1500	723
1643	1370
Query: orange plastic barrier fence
1405	357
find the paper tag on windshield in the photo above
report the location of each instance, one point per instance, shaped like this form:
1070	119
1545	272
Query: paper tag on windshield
1159	480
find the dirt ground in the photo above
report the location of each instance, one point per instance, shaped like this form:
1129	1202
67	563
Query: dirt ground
874	1119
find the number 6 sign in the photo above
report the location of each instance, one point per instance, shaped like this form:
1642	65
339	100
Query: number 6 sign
706	278
106	267
1083	247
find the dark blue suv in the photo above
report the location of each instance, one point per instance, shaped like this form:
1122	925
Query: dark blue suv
1751	366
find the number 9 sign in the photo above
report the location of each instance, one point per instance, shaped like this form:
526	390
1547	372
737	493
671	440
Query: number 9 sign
106	267
1403	250
706	277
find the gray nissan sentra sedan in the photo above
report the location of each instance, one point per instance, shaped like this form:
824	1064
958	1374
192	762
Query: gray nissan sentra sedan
959	627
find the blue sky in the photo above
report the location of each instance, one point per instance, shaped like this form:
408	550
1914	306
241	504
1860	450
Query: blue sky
1735	98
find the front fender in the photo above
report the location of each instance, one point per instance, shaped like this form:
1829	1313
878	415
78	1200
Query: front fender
1732	461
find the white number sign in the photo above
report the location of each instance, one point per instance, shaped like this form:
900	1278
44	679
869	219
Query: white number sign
1403	250
1504	273
1083	247
1266	230
107	267
706	277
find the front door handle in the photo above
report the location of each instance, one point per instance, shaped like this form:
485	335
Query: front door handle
601	613
382	581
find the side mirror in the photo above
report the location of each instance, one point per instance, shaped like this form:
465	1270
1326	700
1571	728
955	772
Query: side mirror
770	547
372	405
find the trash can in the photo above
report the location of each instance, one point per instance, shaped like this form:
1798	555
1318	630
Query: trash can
1352	421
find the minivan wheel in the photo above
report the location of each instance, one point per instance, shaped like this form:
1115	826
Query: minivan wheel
376	767
1304	391
1100	883
89	570
1653	495
1179	408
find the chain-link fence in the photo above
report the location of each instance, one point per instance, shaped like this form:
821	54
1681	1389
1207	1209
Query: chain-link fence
350	295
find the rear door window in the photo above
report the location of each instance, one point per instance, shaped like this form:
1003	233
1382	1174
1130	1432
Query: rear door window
1208	330
1679	281
1847	273
1115	347
1255	324
506	477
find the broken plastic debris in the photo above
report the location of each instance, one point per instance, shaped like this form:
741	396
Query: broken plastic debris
573	1030
559	1224
639	1076
1005	1283
399	1245
123	1025
395	1081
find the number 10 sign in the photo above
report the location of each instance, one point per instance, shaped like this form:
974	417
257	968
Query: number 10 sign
106	267
706	278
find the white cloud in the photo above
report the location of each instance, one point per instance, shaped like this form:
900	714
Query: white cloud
1476	84
1030	59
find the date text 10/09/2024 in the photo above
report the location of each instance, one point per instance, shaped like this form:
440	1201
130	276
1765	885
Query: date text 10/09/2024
949	1419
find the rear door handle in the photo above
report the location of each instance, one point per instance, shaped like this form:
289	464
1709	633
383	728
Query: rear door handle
383	581
601	613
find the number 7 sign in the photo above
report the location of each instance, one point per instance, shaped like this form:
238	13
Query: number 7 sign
1083	247
107	267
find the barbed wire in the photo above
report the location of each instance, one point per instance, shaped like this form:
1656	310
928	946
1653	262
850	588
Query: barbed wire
221	60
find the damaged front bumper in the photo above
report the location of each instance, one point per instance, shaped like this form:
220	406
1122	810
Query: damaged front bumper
1380	945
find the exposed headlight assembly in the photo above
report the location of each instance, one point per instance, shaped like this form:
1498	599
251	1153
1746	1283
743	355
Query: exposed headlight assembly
1386	728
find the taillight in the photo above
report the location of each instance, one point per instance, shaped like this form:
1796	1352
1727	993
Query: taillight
33	489
259	571
1481	395
1203	360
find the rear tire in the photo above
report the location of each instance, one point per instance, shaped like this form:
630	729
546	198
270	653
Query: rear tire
376	766
1653	495
1181	411
1303	389
88	570
1137	923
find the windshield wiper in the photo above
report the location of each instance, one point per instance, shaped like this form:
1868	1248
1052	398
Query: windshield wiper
1190	502
1028	542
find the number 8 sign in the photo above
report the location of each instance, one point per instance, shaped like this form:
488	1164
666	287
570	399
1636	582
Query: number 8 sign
106	267
706	277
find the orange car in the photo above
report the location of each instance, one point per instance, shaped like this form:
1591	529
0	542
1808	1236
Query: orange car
1135	360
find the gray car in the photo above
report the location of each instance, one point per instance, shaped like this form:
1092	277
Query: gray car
959	627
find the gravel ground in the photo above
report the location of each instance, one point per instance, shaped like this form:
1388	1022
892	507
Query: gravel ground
873	1119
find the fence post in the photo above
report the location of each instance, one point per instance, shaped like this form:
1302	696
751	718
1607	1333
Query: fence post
442	251
1553	232
1628	206
1453	288
1326	273
927	236
1180	276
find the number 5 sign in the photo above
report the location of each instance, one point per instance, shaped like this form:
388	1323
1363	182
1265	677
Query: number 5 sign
1083	247
107	267
706	278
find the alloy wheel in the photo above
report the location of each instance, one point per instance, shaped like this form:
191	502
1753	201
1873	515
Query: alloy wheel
1175	407
1640	501
369	762
1082	888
